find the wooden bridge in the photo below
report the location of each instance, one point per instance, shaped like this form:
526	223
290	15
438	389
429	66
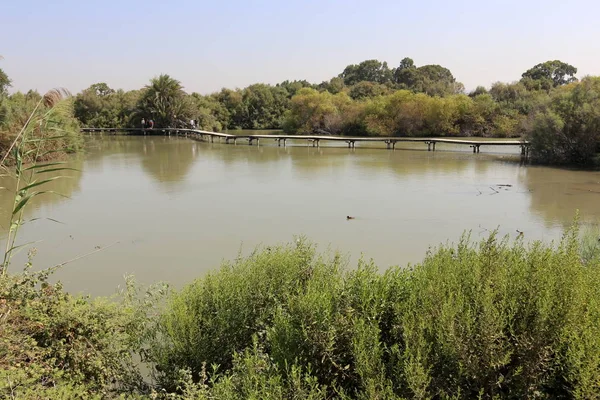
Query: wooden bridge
314	140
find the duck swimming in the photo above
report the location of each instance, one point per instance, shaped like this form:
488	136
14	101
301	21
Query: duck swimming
349	217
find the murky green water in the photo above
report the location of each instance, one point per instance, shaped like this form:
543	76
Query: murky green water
176	207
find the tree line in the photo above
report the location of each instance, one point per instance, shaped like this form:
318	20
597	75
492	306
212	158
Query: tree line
547	105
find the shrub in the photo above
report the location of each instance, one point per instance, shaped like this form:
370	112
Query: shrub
569	130
495	319
54	345
215	317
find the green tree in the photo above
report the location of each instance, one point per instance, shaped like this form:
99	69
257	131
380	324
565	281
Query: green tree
405	73
334	85
164	101
568	130
479	90
292	87
210	113
312	111
549	74
99	106
232	101
365	89
369	70
433	80
264	106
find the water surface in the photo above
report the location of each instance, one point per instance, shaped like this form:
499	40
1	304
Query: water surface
176	207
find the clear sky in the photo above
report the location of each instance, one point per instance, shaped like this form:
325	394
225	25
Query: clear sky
208	45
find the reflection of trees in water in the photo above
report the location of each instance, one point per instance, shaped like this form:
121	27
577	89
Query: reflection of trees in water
61	188
165	159
556	194
241	153
169	159
307	161
413	163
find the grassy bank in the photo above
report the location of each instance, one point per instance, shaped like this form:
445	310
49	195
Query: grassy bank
493	319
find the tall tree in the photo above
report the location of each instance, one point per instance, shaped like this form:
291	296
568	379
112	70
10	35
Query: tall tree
369	70
549	74
164	101
406	72
433	80
334	85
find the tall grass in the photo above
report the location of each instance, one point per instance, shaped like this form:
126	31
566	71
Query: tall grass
494	319
42	133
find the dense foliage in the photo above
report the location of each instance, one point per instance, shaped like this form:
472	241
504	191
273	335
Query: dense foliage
487	320
48	120
567	129
54	345
372	99
494	319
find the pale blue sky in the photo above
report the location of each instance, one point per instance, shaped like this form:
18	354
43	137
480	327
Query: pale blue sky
209	45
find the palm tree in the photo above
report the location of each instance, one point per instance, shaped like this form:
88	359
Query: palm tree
164	101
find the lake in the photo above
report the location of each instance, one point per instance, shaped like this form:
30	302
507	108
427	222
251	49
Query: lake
173	208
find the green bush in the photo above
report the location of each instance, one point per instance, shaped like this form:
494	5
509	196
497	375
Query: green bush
496	319
54	345
215	317
568	132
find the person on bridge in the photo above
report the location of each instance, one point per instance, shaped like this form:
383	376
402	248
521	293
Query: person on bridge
151	123
143	123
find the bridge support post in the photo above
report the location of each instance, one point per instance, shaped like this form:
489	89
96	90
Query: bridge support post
388	144
284	142
525	152
212	139
428	146
393	145
433	145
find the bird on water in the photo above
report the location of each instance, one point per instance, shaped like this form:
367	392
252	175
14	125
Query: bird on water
349	217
